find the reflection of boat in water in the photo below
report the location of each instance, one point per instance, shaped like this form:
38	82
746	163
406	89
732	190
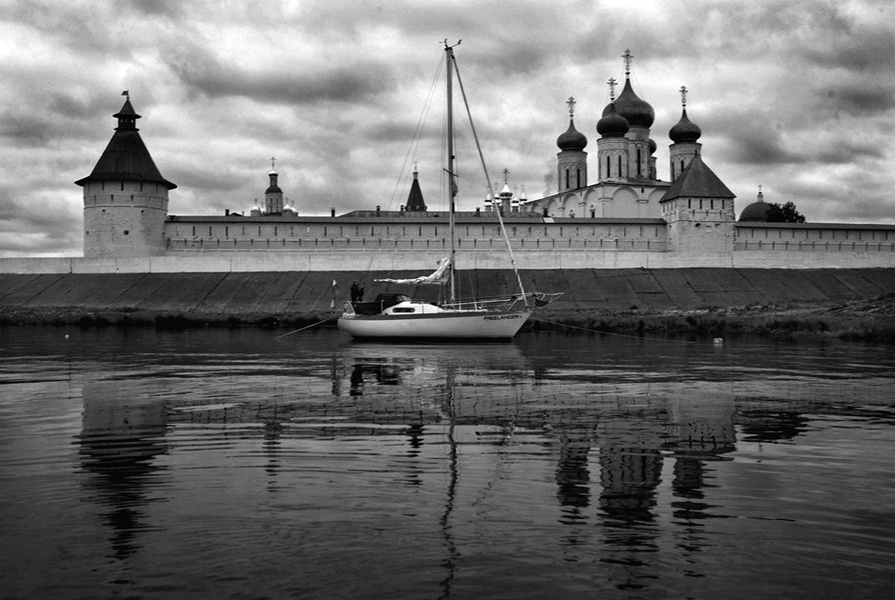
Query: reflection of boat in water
426	364
396	316
433	355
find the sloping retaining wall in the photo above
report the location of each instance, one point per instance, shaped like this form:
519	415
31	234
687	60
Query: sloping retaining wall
252	294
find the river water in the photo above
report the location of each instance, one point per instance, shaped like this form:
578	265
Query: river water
239	464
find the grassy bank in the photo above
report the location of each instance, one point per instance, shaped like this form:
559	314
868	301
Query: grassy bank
865	320
869	321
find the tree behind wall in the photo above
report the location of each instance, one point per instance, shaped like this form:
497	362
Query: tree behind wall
786	213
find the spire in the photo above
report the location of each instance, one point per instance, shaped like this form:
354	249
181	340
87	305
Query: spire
415	202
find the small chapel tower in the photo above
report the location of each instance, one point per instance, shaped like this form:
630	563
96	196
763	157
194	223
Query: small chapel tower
125	196
572	159
684	145
612	147
640	116
273	195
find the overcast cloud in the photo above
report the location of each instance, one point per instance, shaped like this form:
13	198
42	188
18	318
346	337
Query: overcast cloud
797	96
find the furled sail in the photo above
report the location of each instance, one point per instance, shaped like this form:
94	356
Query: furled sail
439	276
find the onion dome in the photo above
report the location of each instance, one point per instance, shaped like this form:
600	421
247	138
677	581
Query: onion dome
685	131
572	139
612	124
652	146
632	108
757	212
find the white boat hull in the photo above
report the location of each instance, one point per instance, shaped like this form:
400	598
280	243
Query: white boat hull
444	325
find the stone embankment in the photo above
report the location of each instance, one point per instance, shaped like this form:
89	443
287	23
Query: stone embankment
857	303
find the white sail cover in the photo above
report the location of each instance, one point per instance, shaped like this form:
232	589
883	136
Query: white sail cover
439	276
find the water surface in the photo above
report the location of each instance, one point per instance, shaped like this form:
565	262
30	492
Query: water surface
236	464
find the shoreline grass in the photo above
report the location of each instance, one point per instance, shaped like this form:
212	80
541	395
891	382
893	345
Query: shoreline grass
866	320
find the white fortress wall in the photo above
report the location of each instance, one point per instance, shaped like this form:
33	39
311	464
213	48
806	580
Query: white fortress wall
391	260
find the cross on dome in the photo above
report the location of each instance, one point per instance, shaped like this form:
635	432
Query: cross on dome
571	102
506	175
273	163
612	83
683	91
627	56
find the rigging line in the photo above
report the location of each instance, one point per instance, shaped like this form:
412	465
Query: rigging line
478	146
307	327
417	132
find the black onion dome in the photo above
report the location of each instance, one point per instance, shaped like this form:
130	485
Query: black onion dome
652	146
685	130
572	139
612	124
632	108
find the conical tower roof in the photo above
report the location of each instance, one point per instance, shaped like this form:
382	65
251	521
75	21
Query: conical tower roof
126	157
697	181
415	202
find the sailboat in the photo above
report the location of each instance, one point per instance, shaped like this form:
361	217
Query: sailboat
396	316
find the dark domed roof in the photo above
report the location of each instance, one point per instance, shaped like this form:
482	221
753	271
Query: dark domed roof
612	124
756	212
685	130
652	146
632	108
572	139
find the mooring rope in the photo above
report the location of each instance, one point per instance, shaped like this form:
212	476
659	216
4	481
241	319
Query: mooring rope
306	327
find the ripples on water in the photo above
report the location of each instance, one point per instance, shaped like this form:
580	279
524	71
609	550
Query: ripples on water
233	464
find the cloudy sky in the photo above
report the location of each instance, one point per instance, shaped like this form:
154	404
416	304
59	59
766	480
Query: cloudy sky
797	96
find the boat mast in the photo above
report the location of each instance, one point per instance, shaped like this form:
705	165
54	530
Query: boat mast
449	58
478	146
